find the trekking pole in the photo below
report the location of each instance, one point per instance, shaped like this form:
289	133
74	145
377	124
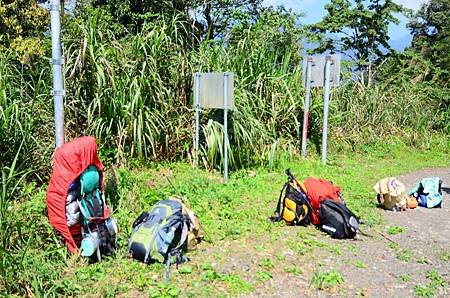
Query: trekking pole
178	193
187	203
386	237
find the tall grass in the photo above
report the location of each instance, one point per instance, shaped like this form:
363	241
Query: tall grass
135	95
139	96
11	240
411	111
25	116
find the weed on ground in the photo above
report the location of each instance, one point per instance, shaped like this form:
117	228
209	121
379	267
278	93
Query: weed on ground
250	249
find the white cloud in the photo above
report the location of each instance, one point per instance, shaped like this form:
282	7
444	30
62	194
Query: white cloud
413	4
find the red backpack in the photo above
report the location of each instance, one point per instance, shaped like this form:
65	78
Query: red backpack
319	190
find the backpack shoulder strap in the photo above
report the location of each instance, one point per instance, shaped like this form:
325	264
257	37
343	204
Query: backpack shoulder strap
278	211
176	251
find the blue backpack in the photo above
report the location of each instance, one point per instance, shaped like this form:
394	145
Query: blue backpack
428	192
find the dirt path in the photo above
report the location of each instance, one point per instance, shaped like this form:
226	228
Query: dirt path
394	271
298	262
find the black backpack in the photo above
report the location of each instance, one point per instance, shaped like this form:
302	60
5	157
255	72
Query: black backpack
293	205
337	220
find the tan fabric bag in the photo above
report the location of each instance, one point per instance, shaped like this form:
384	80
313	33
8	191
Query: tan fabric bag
391	193
194	235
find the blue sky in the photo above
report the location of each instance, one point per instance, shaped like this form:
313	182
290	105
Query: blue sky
314	11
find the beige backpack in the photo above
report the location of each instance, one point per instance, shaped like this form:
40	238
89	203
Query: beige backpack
391	193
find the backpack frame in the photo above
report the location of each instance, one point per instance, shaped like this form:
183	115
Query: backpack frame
92	207
293	204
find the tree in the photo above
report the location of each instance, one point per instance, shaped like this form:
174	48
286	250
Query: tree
22	24
430	28
221	15
128	17
358	31
208	19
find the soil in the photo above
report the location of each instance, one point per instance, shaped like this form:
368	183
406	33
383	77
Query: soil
376	265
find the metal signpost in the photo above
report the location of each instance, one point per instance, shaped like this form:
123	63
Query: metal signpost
214	91
326	100
319	71
57	62
309	64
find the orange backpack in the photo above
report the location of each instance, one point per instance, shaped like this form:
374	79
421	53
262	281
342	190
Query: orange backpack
319	190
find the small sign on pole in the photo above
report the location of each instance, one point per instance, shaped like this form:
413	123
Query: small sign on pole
213	90
319	71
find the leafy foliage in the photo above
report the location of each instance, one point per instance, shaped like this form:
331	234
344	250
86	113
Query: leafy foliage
22	23
207	20
359	30
129	82
395	230
430	27
326	280
436	282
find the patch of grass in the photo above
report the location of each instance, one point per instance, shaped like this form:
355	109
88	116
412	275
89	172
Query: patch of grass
326	280
423	260
236	210
313	243
298	247
444	256
260	247
396	230
275	236
232	281
293	269
393	246
266	263
185	270
335	249
236	284
359	264
353	248
404	255
404	277
264	275
436	281
163	290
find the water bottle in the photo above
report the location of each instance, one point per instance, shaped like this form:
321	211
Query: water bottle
90	244
111	226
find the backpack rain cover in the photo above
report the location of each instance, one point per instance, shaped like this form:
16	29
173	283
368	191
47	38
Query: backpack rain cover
69	161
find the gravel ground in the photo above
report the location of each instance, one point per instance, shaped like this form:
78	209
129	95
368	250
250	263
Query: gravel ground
379	266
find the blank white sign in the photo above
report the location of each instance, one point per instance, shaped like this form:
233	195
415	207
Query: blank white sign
210	91
318	70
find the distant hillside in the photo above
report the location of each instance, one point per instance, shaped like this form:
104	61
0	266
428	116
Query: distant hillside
398	44
401	43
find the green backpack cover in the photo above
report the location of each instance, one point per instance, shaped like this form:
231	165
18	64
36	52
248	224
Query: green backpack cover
161	234
91	203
